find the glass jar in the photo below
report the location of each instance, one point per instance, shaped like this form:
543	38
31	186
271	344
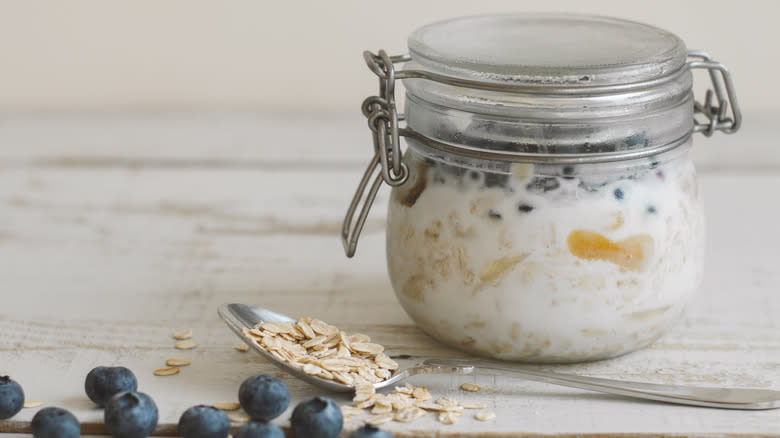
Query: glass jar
546	208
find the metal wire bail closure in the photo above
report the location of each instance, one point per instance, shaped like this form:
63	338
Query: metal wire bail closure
383	119
717	119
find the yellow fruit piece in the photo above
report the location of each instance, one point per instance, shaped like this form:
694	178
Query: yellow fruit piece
628	253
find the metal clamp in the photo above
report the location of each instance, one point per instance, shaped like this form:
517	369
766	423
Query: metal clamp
383	120
716	115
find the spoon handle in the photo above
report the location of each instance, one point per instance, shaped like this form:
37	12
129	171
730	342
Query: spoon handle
727	398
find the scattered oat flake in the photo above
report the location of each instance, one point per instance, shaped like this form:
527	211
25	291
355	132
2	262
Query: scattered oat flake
33	403
255	333
448	417
272	327
364	392
182	335
323	328
406	389
241	347
365	404
177	361
344	378
409	414
446	402
470	387
312	369
367	347
399	404
381	408
385	362
306	329
227	405
473	405
428	406
238	417
338	365
485	415
166	371
187	344
359	337
421	393
351	410
376	420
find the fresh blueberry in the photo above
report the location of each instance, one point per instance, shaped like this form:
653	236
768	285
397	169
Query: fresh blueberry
204	422
55	423
130	415
543	184
368	431
11	397
492	214
619	195
525	208
317	417
651	209
263	397
103	382
258	429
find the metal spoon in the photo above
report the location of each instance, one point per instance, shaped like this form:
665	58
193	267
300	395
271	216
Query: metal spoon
238	316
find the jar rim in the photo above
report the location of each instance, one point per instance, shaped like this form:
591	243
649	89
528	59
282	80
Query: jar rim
547	50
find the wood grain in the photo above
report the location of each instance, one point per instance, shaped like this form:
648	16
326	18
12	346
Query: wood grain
100	264
175	140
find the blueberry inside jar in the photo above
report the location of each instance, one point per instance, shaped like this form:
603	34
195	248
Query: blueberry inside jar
546	208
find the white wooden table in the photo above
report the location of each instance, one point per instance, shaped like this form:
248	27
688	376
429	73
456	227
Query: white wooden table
116	230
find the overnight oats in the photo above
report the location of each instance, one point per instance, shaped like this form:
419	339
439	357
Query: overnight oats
546	208
546	263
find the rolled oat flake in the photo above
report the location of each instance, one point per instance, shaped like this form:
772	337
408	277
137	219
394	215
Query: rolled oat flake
545	153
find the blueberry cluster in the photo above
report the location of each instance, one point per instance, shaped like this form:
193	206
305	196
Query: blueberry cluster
132	414
264	398
127	412
47	423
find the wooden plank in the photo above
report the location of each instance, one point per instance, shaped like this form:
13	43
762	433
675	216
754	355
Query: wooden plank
270	141
99	266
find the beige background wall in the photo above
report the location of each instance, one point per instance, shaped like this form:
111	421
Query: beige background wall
292	55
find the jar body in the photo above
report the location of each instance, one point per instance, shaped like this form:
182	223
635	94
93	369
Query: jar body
545	262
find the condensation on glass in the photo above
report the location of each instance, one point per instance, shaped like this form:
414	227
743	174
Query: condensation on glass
546	208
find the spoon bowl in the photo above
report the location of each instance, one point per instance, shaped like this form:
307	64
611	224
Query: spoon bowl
240	316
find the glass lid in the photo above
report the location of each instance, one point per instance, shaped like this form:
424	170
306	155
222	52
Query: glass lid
547	49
